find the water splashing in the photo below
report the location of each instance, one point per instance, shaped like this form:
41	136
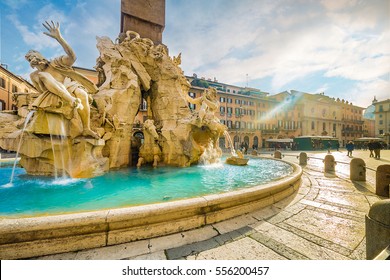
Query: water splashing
227	136
28	117
57	144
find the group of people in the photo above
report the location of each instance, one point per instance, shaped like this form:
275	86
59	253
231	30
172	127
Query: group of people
375	149
244	147
373	146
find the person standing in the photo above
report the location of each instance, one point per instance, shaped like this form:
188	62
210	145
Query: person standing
377	149
371	148
350	147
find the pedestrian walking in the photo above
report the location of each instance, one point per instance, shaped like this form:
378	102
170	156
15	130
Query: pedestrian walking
328	145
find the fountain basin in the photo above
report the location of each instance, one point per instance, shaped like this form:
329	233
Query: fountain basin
45	235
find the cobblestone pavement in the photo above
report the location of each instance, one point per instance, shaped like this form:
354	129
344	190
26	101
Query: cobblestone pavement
324	220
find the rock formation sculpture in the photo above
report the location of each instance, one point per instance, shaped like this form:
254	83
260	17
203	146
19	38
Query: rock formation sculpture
95	124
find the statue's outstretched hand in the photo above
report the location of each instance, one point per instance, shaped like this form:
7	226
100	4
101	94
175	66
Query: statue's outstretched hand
53	28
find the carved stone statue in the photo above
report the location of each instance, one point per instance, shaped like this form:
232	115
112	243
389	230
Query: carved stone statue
131	71
58	83
150	150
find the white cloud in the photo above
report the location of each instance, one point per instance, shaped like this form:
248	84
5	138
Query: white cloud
364	92
36	40
14	4
287	44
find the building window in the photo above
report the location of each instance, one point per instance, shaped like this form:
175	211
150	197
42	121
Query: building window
380	121
14	88
237	124
222	110
238	101
229	124
222	99
229	100
2	83
312	125
229	110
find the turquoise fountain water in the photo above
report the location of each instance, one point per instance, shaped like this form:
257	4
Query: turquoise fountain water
35	196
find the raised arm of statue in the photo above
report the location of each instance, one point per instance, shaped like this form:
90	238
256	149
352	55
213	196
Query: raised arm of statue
196	101
54	32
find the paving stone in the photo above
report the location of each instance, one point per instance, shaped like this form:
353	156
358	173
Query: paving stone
243	249
115	252
280	217
339	212
296	208
191	249
345	232
360	252
297	243
312	195
266	213
160	255
228	237
316	239
182	238
63	256
310	203
234	223
351	200
278	247
335	185
178	252
372	199
290	200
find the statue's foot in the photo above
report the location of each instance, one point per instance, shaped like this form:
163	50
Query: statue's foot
77	104
88	132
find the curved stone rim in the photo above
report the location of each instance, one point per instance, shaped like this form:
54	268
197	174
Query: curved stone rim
45	235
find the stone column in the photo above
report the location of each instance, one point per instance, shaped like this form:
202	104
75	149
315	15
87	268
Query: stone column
383	180
357	171
377	228
302	158
146	17
329	163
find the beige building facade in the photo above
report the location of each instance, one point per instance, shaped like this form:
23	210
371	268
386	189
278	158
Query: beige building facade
382	120
10	84
321	115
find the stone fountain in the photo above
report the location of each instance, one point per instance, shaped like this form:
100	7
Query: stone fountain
84	130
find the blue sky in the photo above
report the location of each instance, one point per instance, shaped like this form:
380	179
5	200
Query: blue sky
340	47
